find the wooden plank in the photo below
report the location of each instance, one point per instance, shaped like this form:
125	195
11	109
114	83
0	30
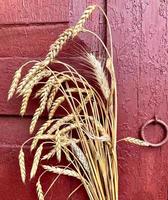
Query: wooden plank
26	12
126	61
153	96
29	41
95	22
140	56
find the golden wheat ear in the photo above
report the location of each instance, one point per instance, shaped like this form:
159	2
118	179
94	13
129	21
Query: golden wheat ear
135	141
22	165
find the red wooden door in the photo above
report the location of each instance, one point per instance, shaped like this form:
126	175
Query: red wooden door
140	51
27	28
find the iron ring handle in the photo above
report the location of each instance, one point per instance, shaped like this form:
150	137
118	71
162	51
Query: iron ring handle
158	121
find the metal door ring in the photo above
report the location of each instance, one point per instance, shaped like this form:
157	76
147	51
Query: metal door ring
164	126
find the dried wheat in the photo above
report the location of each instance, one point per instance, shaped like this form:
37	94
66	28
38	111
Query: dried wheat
69	128
86	100
55	105
36	161
86	14
136	141
39	191
80	155
43	101
32	72
25	101
40	132
34	81
58	44
14	83
61	171
58	145
100	74
80	90
29	88
22	165
49	155
60	122
52	96
55	89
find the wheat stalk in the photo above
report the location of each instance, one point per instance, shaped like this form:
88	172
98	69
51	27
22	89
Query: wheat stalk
95	162
80	90
39	191
22	165
36	161
34	81
61	171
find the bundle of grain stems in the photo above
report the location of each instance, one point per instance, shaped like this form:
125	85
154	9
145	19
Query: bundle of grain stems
87	134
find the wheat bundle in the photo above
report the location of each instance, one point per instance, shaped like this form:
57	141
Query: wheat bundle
93	116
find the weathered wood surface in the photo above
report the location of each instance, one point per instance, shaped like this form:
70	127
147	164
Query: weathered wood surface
32	11
27	28
140	53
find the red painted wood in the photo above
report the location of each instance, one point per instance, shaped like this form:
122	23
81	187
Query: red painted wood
29	41
32	11
140	53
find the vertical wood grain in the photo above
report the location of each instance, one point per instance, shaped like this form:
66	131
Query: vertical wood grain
140	55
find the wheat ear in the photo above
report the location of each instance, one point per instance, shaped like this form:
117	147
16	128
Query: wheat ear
43	101
58	145
29	88
49	155
31	73
100	75
55	105
40	132
86	14
39	190
36	161
80	155
55	89
61	171
60	122
22	165
14	83
136	141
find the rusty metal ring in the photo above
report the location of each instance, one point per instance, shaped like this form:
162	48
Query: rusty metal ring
158	121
